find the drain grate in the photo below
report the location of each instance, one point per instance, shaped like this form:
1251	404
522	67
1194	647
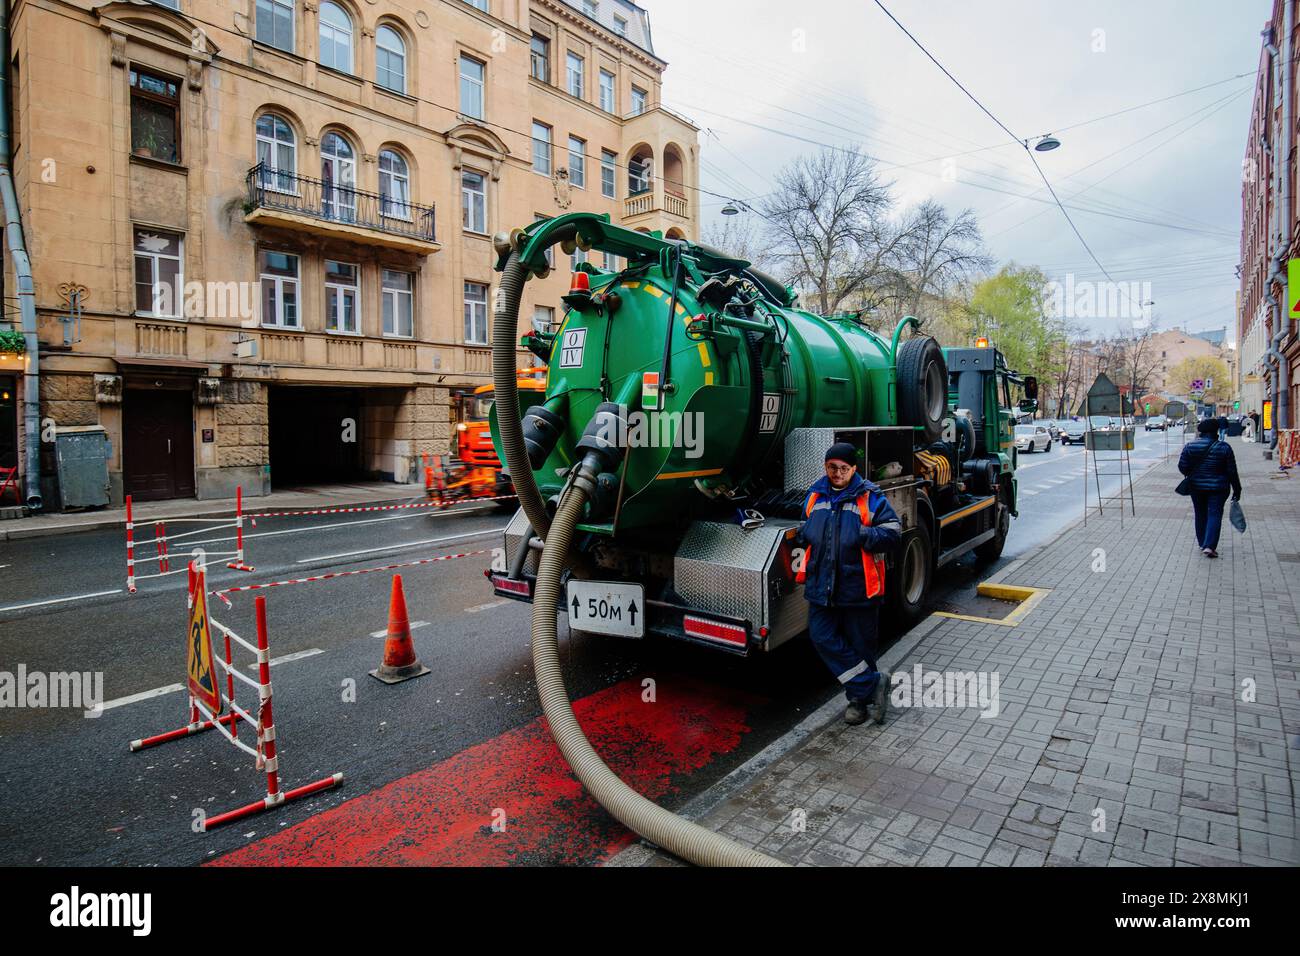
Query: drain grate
1289	558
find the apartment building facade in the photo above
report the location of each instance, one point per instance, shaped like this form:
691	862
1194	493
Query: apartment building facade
260	230
1269	229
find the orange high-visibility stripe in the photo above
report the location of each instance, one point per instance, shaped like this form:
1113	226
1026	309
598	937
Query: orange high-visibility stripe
873	565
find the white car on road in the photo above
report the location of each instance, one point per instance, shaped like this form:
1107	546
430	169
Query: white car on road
1030	438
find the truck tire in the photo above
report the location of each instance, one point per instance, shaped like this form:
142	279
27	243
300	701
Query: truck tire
909	585
991	549
922	386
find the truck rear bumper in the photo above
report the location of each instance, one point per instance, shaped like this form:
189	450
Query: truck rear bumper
674	621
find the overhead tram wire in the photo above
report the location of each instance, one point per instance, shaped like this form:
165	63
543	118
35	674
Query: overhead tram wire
1005	192
1029	152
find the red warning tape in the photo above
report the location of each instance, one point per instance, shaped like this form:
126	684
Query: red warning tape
342	574
349	511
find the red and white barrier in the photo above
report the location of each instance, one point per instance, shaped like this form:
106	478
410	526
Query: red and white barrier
264	749
341	574
368	508
162	541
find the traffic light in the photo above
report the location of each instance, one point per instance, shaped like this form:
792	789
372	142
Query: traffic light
1236	406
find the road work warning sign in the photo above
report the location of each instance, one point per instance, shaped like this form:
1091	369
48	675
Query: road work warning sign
1292	292
202	664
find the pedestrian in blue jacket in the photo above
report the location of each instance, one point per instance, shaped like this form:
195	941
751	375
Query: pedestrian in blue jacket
848	526
1211	470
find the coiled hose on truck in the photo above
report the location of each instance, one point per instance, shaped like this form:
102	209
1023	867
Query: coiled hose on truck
687	840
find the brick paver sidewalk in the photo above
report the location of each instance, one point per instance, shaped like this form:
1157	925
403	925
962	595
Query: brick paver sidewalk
1125	735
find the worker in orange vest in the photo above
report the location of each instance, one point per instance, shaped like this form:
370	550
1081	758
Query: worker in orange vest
848	525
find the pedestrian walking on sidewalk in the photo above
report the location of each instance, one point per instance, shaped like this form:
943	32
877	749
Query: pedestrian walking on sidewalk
1211	471
848	524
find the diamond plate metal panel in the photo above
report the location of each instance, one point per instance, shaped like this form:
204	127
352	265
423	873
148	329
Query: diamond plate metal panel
804	448
724	568
514	538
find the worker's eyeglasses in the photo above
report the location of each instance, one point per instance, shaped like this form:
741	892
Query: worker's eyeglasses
838	469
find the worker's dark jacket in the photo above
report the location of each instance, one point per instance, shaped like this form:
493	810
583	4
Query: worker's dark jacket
842	563
1211	466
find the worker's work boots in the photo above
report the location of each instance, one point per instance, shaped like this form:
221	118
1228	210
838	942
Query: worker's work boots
878	706
856	713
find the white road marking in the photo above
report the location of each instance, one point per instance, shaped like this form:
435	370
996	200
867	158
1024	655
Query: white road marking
484	607
176	688
77	597
143	695
414	625
399	547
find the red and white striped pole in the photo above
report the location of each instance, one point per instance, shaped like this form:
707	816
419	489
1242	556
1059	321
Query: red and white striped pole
265	717
130	548
238	564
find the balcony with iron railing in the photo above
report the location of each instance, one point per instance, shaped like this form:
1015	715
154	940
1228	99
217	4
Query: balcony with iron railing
318	207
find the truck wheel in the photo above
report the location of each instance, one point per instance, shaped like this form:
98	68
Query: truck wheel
910	584
991	549
922	386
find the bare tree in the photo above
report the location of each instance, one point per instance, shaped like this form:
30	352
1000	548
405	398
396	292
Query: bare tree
737	237
829	232
937	250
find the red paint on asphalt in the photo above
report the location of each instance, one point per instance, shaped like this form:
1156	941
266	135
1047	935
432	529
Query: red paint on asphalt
443	816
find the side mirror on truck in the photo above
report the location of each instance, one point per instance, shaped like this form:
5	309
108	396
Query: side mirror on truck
1030	402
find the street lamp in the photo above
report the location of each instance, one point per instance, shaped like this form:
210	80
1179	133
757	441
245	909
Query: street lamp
1046	144
731	209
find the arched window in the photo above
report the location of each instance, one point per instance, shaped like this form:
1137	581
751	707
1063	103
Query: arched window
394	185
338	173
277	153
335	38
390	59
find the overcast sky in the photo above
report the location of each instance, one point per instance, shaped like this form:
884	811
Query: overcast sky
839	72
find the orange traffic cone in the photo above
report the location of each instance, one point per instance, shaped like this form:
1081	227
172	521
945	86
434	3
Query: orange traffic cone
400	662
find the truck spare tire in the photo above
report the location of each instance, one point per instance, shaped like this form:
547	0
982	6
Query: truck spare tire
922	386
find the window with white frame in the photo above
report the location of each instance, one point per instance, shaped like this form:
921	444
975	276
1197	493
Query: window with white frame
476	324
620	25
342	297
279	278
159	274
574	68
578	162
473	200
277	153
335	38
390	59
607	91
539	55
478	4
639	97
171	4
275	24
338	173
550	250
577	258
541	148
543	318
612	262
471	86
398	303
608	174
394	185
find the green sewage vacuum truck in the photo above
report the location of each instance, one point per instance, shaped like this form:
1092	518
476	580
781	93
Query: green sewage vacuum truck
687	407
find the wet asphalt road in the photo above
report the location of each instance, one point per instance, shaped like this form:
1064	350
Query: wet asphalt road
74	794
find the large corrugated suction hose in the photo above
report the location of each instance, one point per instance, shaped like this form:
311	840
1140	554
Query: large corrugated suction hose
687	840
506	388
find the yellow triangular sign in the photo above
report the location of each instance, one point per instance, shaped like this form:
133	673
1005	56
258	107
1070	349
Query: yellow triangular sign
202	665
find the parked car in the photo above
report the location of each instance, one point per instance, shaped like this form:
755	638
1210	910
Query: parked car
1099	423
1157	422
1031	438
1072	432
